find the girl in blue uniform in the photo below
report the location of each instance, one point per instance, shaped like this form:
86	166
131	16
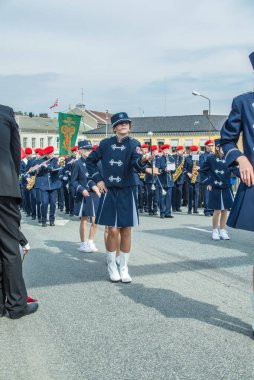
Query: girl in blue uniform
119	155
87	197
220	194
241	121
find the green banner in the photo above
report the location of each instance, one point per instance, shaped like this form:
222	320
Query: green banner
68	132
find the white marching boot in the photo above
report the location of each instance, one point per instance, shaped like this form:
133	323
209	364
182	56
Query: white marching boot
124	258
252	308
112	267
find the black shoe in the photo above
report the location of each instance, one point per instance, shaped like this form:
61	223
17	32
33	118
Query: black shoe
169	216
33	217
174	210
150	213
44	224
2	314
195	212
67	212
71	214
162	216
178	210
29	309
155	212
52	224
140	210
61	209
189	212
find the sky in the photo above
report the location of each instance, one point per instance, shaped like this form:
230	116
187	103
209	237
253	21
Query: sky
139	56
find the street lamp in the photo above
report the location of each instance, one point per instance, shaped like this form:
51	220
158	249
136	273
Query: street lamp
195	93
106	123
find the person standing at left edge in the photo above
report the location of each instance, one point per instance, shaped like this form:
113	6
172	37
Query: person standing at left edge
119	155
241	120
13	294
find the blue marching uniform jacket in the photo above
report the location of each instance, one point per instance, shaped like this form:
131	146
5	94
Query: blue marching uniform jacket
119	159
218	176
240	119
84	206
49	176
165	178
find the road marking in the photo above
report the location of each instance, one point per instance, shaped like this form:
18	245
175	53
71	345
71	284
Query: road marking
61	222
90	261
198	229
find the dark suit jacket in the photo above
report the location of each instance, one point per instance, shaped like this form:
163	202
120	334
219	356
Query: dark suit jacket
9	153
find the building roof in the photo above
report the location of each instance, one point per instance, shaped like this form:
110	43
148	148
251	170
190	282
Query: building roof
43	124
195	124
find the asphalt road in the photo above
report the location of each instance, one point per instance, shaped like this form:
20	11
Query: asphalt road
185	316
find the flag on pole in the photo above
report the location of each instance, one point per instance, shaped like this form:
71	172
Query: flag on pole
55	104
68	131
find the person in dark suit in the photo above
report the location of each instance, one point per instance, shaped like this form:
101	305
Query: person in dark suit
13	295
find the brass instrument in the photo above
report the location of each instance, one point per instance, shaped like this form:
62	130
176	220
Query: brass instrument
194	172
142	176
178	171
32	179
61	161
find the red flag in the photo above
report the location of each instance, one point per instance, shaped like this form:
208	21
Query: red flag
55	104
22	152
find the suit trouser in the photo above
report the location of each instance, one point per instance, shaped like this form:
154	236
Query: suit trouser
48	197
177	194
193	193
71	198
60	198
141	196
13	295
165	201
205	199
66	198
27	201
38	204
152	197
33	202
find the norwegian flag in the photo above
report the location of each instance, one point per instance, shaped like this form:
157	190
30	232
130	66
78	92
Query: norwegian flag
55	104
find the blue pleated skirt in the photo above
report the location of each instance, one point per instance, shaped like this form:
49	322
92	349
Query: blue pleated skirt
118	208
86	206
241	215
220	199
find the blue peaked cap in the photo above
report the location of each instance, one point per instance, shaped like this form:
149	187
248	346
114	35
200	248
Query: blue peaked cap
251	56
217	142
119	118
85	144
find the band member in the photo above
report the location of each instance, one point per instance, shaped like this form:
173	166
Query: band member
142	189
49	183
178	177
241	120
209	144
69	190
87	199
218	185
166	166
191	170
25	164
119	155
36	189
151	182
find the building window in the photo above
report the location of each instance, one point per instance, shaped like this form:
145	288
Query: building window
33	142
42	142
202	144
188	143
174	143
25	139
50	140
160	142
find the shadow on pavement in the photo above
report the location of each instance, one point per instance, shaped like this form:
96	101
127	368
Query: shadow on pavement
174	305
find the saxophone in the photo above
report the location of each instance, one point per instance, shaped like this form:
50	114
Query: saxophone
178	171
194	172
